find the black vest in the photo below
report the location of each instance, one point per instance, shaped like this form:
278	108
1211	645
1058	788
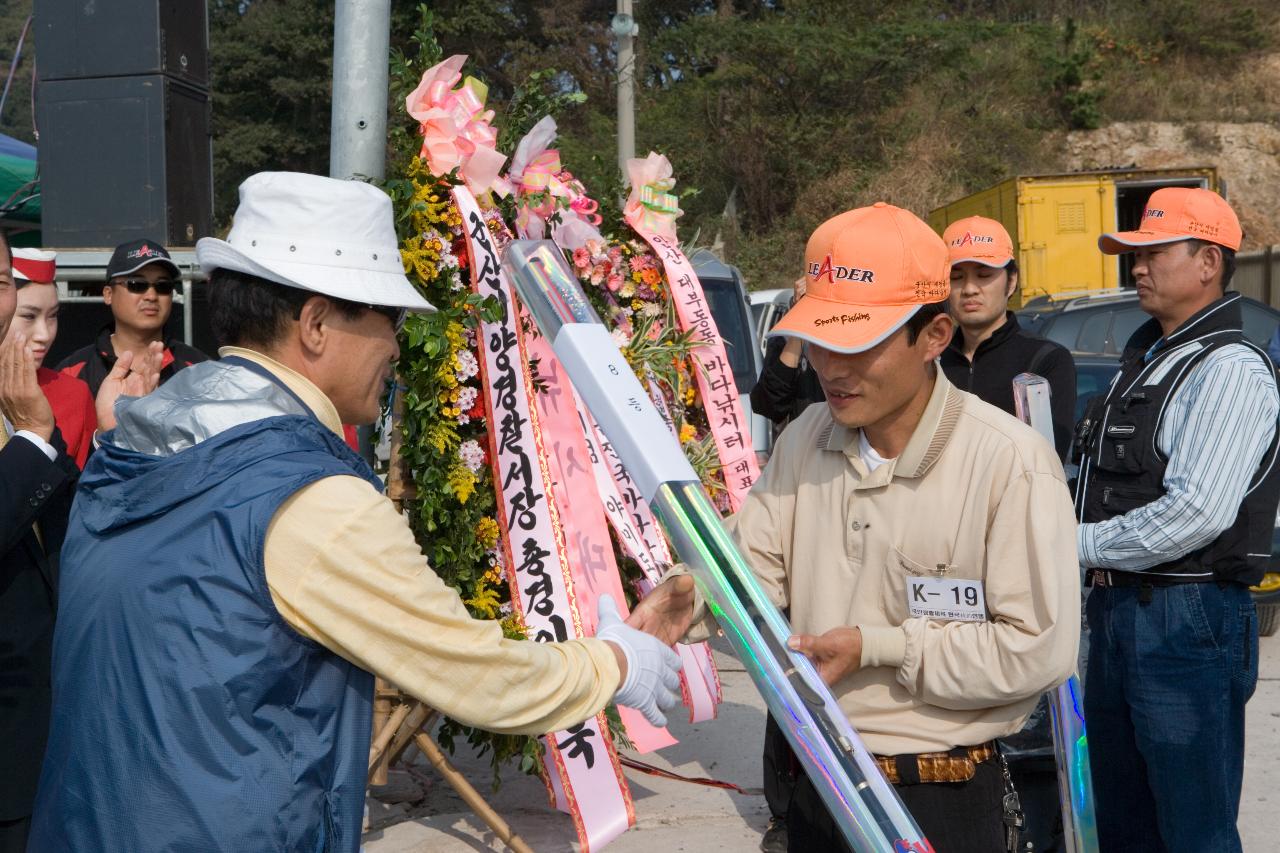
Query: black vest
1123	467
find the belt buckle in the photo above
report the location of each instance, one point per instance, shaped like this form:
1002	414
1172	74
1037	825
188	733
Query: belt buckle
1101	578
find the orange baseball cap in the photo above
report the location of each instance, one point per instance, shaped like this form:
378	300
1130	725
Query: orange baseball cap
1174	214
867	272
978	240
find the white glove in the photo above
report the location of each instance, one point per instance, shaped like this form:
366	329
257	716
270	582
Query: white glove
653	669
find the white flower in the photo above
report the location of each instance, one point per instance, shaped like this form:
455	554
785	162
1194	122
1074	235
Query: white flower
467	366
472	454
620	338
467	397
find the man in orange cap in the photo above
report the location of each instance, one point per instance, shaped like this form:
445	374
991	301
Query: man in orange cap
1177	498
990	348
921	537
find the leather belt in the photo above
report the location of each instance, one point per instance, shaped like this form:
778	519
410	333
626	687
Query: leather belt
957	765
1105	578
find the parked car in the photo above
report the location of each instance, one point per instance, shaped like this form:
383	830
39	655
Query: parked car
1101	321
767	308
1094	374
727	297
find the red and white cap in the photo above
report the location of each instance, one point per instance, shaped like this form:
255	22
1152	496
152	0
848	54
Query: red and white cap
35	265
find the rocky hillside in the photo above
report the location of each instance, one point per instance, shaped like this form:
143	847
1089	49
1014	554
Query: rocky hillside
1247	156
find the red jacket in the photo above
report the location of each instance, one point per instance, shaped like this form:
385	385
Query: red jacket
73	411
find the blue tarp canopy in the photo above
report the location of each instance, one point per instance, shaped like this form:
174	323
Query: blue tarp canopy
19	196
11	147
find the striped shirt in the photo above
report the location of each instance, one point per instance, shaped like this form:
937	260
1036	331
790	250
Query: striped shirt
1218	425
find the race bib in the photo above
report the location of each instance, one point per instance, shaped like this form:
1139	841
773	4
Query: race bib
948	599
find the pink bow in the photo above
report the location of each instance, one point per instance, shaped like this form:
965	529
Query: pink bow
456	129
651	201
544	189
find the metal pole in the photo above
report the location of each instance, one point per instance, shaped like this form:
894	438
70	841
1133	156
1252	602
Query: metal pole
626	29
358	132
361	61
188	307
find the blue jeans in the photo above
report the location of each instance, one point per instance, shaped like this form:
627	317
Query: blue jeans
1164	701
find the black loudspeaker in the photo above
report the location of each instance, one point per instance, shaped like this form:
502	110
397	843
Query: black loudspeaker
122	38
122	158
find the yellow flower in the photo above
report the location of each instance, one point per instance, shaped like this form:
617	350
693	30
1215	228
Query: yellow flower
687	433
484	601
487	535
441	436
462	482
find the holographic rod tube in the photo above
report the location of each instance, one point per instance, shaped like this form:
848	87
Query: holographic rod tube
1075	782
863	803
1066	702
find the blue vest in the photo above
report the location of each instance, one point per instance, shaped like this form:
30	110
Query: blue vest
188	715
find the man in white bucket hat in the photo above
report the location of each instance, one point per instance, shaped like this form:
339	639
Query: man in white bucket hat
233	577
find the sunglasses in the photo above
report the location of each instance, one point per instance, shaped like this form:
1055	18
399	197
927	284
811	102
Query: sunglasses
164	287
397	316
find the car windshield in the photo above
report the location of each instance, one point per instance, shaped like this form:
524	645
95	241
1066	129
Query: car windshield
1092	379
730	312
1126	322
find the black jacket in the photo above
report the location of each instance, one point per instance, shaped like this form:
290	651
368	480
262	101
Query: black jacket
782	393
32	490
1008	352
1125	469
92	363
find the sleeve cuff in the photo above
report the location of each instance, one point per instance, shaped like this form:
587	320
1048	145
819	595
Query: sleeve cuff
883	646
39	442
1085	546
606	664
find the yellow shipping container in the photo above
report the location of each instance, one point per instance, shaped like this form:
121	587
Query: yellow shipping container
1055	222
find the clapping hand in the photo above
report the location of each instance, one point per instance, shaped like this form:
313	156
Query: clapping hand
129	377
666	611
21	399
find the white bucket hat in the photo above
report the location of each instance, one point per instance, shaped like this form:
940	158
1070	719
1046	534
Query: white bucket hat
330	236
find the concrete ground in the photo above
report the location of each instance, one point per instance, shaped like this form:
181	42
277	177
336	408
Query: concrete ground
418	813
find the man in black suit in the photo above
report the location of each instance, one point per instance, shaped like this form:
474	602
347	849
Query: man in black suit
36	480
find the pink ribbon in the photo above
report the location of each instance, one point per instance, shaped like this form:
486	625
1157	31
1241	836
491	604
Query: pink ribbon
582	767
545	191
642	540
455	127
652	211
582	515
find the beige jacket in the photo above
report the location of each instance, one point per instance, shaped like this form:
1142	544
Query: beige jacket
345	571
975	492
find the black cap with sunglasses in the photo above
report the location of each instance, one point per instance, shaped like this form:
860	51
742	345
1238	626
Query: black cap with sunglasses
133	256
93	363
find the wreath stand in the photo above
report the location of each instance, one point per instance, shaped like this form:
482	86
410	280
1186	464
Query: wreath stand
399	719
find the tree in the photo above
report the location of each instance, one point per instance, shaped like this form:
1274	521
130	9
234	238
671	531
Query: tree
272	68
16	120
